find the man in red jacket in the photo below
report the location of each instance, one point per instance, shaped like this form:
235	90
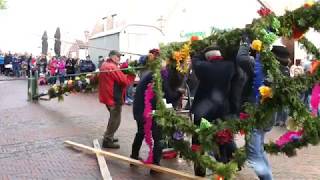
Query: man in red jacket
112	88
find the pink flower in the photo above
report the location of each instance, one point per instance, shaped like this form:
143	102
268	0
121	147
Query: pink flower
244	116
288	137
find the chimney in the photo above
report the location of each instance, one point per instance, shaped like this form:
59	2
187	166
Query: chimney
113	21
105	22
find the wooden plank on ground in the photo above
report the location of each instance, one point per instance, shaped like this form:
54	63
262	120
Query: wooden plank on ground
102	162
161	169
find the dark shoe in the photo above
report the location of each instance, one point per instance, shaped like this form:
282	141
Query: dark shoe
153	172
109	144
115	140
199	170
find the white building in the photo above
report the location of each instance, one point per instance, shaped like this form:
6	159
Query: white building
131	40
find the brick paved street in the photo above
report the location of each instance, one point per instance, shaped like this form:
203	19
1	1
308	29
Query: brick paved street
32	135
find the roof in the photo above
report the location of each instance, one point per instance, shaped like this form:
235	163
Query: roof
118	30
106	33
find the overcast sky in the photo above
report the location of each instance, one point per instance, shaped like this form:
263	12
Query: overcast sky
23	23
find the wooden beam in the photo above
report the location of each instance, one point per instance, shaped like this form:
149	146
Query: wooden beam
265	4
161	169
102	162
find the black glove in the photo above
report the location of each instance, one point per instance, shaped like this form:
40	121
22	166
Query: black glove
245	38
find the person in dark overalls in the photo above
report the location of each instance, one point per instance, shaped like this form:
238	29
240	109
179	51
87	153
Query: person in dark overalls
218	96
172	83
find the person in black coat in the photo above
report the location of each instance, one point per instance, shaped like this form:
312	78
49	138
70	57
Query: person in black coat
87	65
71	67
172	83
220	86
218	95
7	60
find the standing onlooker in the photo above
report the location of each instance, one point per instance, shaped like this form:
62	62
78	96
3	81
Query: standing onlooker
70	67
53	69
42	64
7	63
112	89
87	65
29	65
1	63
100	62
61	65
16	64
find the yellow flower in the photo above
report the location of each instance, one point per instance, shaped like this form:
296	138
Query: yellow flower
77	78
292	125
309	3
266	92
185	51
256	45
55	88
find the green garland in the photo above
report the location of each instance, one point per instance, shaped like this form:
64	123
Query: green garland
286	92
83	83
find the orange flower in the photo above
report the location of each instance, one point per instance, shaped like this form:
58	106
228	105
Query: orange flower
218	177
177	56
194	38
309	3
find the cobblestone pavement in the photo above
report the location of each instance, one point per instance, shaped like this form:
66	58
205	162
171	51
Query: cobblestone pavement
32	135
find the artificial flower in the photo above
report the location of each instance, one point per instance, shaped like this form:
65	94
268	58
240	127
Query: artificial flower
270	37
256	45
309	3
292	125
178	135
205	124
177	56
70	82
264	11
155	52
275	24
224	136
243	116
289	137
77	78
265	92
194	38
55	88
218	177
297	33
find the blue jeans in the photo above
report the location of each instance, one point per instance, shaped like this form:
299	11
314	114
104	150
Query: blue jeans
257	159
130	94
16	70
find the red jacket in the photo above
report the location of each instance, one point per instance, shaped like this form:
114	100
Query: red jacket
112	85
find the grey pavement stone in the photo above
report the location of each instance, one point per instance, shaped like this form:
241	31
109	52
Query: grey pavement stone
32	135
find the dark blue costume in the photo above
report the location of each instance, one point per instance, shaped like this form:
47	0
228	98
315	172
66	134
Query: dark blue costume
171	84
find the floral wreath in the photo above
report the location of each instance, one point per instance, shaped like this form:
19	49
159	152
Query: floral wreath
283	92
